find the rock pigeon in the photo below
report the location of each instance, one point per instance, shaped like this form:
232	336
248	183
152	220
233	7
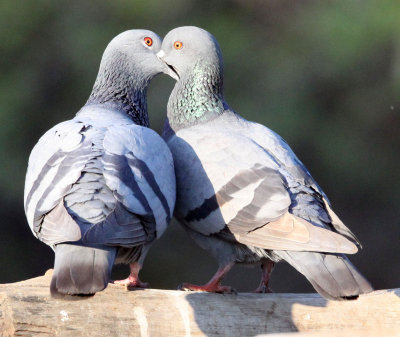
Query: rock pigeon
101	187
242	193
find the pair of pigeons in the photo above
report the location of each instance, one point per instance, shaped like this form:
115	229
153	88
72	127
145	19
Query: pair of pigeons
100	188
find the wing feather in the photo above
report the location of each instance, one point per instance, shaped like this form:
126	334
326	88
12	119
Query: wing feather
294	234
54	165
243	188
138	167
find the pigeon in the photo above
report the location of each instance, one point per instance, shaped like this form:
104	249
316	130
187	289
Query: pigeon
100	188
242	194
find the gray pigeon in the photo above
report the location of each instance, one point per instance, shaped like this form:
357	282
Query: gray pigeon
101	187
242	193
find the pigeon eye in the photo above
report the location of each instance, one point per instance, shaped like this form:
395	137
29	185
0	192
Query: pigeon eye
148	41
178	45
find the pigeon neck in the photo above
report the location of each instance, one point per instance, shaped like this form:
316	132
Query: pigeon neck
196	98
123	91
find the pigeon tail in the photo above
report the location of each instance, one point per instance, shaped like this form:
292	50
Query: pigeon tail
81	270
332	275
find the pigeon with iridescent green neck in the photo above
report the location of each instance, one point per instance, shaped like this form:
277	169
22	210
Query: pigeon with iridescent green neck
242	193
101	187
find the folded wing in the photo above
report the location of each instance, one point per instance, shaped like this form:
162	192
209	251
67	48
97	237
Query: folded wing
55	164
247	195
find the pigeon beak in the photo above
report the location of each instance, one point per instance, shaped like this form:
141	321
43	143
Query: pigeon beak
160	54
168	69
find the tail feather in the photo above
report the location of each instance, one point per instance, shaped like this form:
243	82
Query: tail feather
332	275
81	270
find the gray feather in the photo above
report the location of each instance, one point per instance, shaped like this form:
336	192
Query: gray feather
241	191
81	270
103	181
332	275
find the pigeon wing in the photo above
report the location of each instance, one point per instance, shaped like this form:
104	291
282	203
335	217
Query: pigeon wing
300	180
138	168
55	163
242	191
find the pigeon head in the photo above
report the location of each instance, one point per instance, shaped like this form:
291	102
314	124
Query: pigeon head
134	52
184	48
194	59
128	64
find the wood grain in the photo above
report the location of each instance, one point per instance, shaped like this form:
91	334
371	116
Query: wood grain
26	309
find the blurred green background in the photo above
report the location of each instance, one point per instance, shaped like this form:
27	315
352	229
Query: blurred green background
323	74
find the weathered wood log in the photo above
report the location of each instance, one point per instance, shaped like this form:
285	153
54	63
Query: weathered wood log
26	309
393	332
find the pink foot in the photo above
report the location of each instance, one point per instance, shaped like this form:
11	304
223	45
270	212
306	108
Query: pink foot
214	285
263	289
266	267
211	288
131	282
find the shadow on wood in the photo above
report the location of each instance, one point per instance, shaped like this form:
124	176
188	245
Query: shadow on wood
27	309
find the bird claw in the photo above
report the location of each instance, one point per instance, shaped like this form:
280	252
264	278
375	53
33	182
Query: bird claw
263	290
232	291
141	285
207	288
131	284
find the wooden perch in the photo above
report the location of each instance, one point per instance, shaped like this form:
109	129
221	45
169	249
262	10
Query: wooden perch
26	309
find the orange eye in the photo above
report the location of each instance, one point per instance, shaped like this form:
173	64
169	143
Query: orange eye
148	41
178	45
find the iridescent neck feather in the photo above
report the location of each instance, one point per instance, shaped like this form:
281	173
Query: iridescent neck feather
197	97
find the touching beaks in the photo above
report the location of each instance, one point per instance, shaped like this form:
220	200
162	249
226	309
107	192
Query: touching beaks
170	70
160	54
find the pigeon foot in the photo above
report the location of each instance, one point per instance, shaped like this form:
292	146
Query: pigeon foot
132	282
266	271
263	289
210	288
